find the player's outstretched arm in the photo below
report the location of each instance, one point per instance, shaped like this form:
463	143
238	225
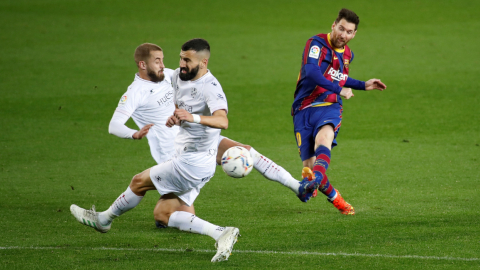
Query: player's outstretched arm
118	128
217	120
375	84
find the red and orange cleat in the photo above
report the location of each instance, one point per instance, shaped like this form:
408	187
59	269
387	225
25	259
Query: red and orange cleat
343	206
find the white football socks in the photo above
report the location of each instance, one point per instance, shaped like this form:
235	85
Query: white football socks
126	201
272	171
189	222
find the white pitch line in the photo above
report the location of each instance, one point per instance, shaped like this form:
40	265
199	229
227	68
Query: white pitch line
257	252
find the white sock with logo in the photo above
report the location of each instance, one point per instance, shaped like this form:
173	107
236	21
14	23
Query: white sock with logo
126	201
273	171
189	222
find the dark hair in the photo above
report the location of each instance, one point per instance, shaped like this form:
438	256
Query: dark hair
196	44
142	53
349	16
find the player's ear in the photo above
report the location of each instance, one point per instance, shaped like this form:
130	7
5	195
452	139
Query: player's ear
142	65
204	62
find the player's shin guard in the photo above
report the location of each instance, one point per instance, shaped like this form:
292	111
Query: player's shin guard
189	222
320	168
126	201
273	171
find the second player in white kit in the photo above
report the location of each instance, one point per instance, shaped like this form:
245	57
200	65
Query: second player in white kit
194	161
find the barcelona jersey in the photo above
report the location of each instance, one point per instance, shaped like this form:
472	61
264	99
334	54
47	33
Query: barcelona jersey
323	73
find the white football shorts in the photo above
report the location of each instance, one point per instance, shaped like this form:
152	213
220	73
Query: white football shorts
183	180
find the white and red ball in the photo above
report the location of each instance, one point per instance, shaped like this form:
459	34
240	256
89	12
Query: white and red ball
237	162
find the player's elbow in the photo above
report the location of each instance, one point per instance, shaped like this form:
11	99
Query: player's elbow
110	128
224	124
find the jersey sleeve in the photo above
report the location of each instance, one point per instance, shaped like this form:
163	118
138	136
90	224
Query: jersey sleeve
215	97
313	56
129	102
315	73
355	84
118	128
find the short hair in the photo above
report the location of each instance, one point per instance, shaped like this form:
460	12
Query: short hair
142	53
349	16
196	44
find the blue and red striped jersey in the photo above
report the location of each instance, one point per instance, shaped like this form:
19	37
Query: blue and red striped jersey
323	73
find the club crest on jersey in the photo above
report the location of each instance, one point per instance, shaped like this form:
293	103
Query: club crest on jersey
336	75
314	52
123	100
194	92
346	63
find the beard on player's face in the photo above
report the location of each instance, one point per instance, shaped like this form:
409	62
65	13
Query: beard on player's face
336	41
155	76
189	74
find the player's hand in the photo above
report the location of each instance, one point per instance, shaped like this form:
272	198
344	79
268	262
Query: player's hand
172	121
375	84
142	132
346	93
183	115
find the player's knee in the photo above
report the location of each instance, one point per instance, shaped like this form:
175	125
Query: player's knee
325	136
324	140
138	183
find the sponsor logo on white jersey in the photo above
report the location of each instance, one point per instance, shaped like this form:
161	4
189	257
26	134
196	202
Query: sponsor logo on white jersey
336	75
166	100
182	105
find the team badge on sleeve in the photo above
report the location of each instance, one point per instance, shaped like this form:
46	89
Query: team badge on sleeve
314	52
123	100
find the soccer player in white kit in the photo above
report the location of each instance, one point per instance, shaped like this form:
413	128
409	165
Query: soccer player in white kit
201	114
149	102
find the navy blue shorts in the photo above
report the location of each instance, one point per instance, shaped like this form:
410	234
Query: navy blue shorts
307	123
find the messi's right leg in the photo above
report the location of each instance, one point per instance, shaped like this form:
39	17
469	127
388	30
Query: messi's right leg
324	141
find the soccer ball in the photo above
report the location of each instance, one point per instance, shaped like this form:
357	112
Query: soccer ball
237	162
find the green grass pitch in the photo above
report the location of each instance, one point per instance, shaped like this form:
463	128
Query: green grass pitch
408	158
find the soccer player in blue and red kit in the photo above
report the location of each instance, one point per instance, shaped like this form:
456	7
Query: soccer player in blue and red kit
317	108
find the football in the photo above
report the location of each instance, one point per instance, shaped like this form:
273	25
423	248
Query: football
237	162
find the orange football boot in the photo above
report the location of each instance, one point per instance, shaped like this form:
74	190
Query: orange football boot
307	172
343	206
